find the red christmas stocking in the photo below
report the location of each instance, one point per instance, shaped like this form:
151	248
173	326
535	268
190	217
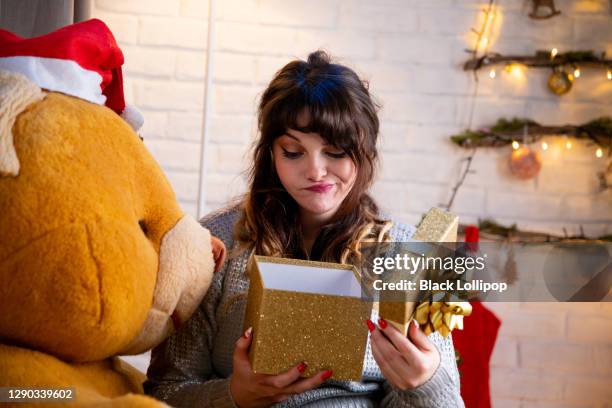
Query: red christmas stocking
475	344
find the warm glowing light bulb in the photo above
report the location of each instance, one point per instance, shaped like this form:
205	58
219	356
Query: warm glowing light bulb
577	73
483	42
609	74
515	144
492	73
553	53
599	152
516	70
568	144
544	146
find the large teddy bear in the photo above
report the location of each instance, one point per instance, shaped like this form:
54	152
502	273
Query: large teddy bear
97	259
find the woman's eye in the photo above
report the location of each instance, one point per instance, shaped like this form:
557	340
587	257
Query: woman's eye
291	155
336	155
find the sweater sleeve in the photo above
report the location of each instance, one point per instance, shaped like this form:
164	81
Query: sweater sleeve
181	372
442	390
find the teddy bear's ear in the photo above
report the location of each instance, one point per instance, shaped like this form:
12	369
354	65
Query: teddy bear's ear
16	93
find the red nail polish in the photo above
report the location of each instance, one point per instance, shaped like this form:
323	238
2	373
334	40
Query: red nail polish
371	326
382	323
326	374
302	367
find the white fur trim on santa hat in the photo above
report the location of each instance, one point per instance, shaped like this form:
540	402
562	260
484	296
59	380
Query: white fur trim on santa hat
133	117
16	93
58	75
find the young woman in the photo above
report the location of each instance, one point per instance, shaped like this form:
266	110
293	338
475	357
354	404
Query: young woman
312	166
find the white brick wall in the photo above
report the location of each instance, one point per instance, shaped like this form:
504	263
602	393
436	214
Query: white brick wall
552	355
410	51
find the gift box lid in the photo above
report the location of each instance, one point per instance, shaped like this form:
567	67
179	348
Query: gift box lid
436	226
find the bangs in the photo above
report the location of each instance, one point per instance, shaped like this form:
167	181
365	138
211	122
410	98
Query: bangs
326	106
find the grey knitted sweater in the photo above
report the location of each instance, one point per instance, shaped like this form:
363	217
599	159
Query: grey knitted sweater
192	367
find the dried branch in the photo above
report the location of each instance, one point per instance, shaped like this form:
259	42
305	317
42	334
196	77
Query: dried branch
466	170
491	230
541	59
504	132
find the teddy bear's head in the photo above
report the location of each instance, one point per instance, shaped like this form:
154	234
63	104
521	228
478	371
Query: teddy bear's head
96	256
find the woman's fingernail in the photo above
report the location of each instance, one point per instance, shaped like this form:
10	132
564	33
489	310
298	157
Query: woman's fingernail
247	333
326	374
371	326
382	323
301	367
416	324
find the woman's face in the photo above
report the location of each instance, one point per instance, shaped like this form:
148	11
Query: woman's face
318	176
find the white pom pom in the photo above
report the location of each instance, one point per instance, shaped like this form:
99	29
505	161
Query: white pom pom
133	117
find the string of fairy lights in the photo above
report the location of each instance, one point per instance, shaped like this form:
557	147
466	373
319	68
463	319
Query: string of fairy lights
573	70
567	144
566	66
521	133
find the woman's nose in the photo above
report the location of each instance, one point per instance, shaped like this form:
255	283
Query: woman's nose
316	168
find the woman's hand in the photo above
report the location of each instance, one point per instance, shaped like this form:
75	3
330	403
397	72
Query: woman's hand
261	390
406	362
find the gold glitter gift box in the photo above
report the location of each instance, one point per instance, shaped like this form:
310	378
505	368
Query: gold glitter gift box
436	226
306	311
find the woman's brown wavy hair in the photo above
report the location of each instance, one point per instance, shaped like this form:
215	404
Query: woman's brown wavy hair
343	113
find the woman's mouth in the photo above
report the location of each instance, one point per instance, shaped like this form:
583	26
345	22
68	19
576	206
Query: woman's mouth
320	188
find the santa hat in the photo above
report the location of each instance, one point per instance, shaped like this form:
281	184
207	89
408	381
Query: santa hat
81	60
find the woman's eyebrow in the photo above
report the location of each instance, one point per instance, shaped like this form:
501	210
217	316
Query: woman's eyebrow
291	136
325	143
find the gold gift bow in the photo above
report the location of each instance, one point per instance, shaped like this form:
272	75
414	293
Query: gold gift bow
442	317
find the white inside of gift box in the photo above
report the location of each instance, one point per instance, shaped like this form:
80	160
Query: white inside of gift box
309	279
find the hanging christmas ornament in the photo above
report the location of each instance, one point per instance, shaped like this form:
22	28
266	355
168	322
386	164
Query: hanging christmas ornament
525	163
510	272
536	5
560	82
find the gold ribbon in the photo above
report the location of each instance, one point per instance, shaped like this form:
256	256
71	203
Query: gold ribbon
442	317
